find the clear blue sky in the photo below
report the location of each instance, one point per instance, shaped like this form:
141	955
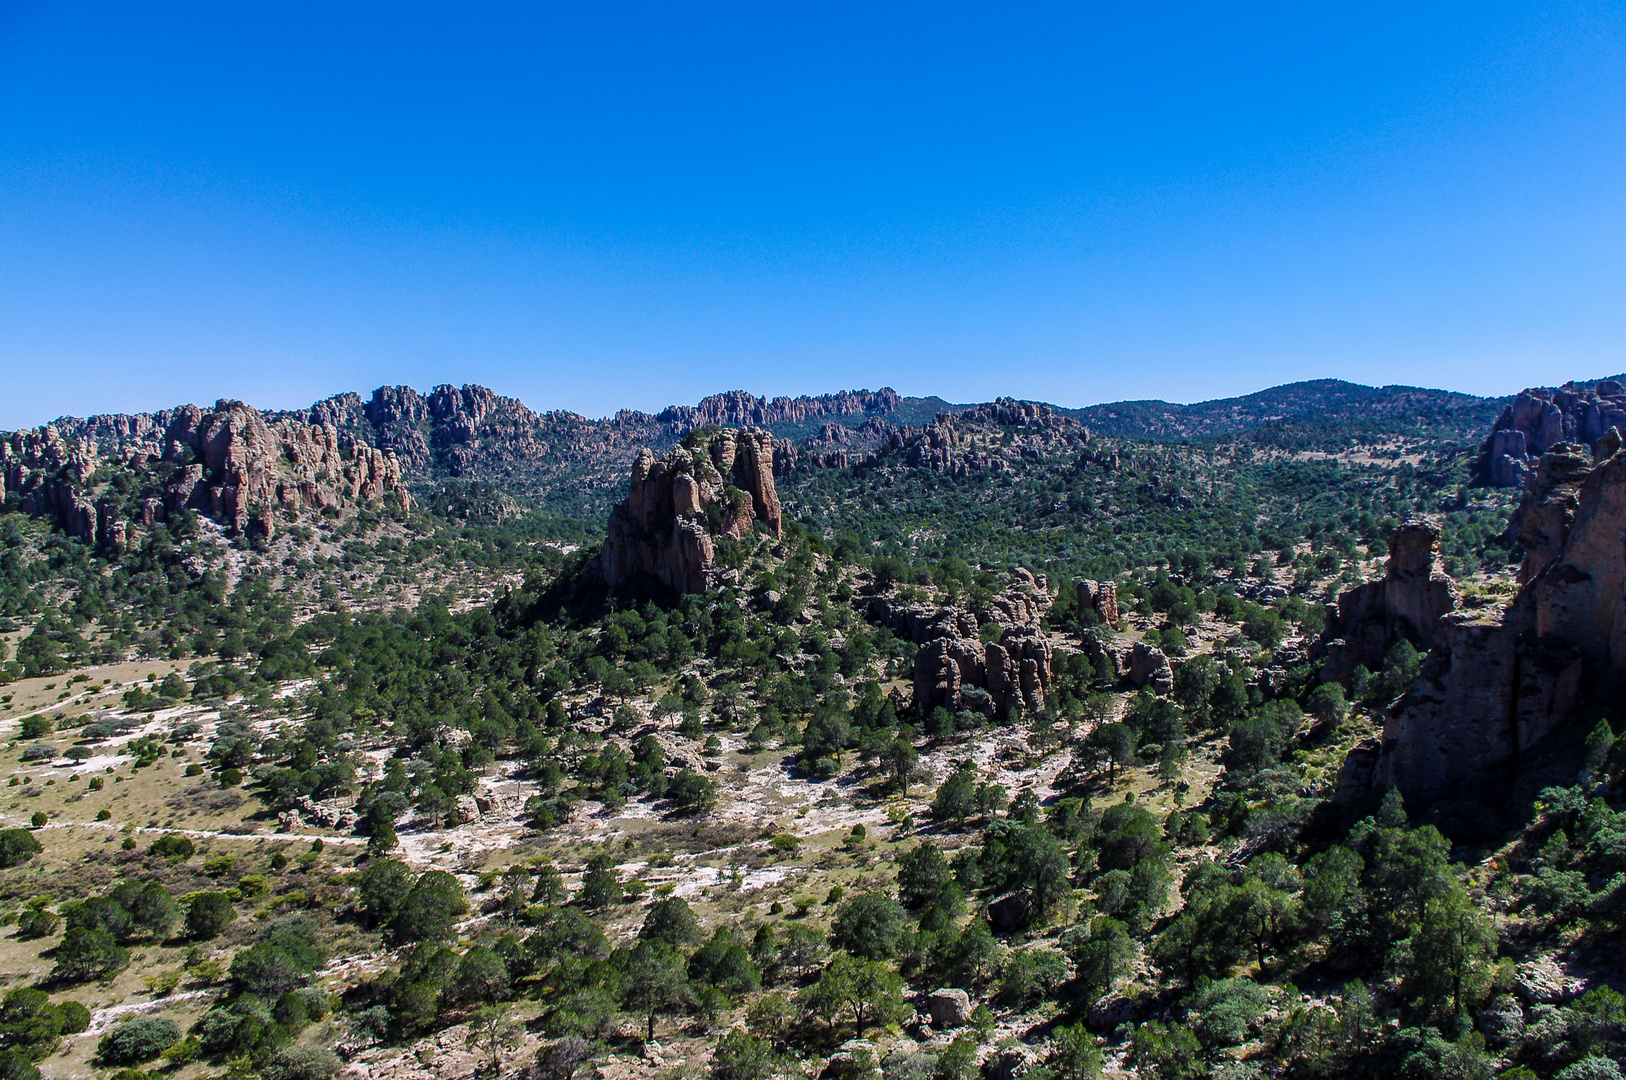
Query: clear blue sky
599	205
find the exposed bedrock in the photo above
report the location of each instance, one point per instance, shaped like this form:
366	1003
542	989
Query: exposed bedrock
677	506
1492	717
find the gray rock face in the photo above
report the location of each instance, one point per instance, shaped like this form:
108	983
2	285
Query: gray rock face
1407	603
1541	418
950	1008
1487	718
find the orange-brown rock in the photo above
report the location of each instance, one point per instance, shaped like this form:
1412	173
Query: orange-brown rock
678	505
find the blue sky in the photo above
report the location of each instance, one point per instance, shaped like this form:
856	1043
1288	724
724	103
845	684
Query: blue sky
592	206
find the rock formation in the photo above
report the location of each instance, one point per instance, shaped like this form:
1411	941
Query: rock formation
1487	720
739	409
228	462
678	505
1099	599
1407	603
1540	419
1149	666
994	438
1014	671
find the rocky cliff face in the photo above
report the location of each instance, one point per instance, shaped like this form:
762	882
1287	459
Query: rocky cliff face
1488	720
1540	419
1016	670
1407	603
990	439
228	462
678	505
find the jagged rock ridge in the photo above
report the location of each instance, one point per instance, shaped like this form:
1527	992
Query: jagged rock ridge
228	462
1541	418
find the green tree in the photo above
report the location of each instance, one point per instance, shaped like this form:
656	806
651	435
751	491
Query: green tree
956	797
671	920
1100	954
88	954
739	1055
654	981
481	976
382	888
207	914
17	846
1073	1053
431	910
493	1030
868	926
1166	1052
922	874
140	1039
869	990
601	886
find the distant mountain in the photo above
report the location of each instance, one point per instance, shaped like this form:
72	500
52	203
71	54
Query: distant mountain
1318	402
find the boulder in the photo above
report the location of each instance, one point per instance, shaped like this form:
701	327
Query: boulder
950	1008
1148	666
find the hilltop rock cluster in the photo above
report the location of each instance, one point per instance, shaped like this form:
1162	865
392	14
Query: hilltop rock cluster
740	409
1541	418
1014	670
1407	603
227	462
988	439
677	506
1488	720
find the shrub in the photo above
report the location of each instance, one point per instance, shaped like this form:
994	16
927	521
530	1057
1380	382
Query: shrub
17	846
40	818
208	914
36	922
173	846
138	1040
39	752
301	1063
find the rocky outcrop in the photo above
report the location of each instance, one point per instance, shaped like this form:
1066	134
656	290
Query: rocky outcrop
1149	666
1014	671
1099	600
737	408
1541	418
678	505
1407	603
996	438
1488	719
228	462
